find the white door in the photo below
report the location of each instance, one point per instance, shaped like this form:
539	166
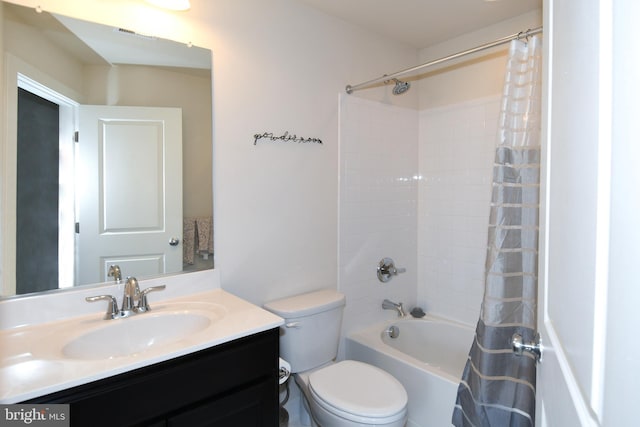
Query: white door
589	293
574	218
129	191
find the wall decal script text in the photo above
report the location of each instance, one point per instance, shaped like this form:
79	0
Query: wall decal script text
285	137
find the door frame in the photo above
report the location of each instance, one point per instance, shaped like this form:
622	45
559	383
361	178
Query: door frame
21	74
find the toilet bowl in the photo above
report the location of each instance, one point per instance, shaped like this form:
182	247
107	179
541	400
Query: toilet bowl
336	394
352	393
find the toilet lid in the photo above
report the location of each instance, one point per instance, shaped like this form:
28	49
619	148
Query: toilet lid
359	389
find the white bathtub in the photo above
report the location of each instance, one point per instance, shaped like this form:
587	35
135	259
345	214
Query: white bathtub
427	357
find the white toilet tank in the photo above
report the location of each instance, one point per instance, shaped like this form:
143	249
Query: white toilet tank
311	332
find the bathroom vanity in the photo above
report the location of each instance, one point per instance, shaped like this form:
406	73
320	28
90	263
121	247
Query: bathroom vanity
206	358
232	384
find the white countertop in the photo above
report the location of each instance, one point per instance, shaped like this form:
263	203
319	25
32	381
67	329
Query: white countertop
32	362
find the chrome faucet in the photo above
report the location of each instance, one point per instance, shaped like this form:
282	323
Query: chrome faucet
390	305
130	297
114	271
133	301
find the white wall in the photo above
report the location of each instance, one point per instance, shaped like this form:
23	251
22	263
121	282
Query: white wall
277	204
39	51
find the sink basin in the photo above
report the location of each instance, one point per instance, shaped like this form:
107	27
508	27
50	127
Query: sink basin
126	337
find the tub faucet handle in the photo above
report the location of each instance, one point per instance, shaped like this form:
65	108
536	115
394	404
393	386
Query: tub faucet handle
387	269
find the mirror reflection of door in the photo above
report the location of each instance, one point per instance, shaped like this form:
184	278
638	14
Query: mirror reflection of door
127	170
37	194
129	188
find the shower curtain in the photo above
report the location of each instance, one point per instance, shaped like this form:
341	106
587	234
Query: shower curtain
498	387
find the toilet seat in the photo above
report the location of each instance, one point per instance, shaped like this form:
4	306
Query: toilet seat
359	392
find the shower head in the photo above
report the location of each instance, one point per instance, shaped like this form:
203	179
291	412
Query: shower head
400	87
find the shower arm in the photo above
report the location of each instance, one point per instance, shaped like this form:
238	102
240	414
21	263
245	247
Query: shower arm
518	36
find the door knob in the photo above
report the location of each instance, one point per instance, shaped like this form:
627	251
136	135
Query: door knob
534	347
174	241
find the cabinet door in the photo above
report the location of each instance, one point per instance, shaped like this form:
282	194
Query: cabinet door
252	406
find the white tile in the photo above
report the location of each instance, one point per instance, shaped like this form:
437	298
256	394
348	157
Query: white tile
453	215
437	222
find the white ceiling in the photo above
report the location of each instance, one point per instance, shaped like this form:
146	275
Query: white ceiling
123	46
98	44
418	23
423	23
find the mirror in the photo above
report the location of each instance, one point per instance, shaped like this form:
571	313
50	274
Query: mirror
69	66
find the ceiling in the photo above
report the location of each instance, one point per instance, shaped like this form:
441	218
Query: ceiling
423	23
418	23
98	44
123	46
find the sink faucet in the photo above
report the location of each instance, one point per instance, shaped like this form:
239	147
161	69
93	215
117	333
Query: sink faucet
390	305
131	296
133	302
114	271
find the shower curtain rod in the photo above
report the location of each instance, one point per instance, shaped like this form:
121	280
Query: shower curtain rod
518	36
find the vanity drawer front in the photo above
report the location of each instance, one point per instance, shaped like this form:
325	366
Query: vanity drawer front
245	407
167	389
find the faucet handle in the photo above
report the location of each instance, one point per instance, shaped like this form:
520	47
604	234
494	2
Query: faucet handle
143	303
112	308
386	269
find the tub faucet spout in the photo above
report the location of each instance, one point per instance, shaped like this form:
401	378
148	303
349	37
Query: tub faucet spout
390	305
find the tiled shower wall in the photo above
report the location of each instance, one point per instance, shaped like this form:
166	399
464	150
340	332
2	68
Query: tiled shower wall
414	186
456	148
378	205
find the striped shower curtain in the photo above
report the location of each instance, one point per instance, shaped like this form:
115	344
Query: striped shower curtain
498	387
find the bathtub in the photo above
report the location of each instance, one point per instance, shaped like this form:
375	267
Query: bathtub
427	357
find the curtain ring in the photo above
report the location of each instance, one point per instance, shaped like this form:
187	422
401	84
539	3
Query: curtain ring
526	35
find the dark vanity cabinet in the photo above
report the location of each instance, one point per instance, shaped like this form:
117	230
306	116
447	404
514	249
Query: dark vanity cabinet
232	384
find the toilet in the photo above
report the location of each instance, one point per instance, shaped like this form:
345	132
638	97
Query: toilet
336	394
